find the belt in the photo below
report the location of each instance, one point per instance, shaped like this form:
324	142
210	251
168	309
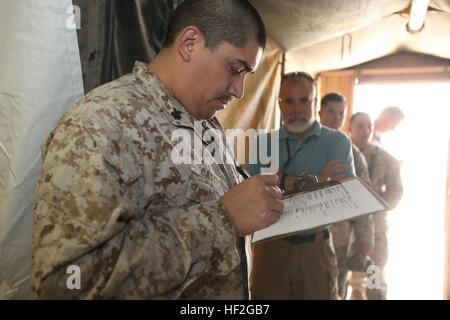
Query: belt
299	239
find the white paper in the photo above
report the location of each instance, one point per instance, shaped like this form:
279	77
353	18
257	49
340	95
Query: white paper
322	207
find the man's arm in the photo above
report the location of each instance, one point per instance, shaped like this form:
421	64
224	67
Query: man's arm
340	163
89	213
333	170
393	182
363	226
342	149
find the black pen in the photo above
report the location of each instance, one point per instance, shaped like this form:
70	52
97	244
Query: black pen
242	172
245	175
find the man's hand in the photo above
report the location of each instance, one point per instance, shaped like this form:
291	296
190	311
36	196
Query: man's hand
254	203
288	181
332	169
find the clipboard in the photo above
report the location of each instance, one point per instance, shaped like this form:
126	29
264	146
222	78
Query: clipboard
303	211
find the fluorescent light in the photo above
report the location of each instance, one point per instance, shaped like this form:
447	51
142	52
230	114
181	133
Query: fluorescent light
417	15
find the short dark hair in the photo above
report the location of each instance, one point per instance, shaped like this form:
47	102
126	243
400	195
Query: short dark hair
333	96
297	74
232	21
353	117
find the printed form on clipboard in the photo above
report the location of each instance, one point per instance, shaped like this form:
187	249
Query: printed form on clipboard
304	211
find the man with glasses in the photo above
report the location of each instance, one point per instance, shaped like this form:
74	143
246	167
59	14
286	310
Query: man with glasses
301	266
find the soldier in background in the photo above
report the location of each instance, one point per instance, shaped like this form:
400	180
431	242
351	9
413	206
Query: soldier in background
384	172
113	202
351	239
388	120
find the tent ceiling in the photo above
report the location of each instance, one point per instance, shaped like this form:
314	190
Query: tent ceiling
312	31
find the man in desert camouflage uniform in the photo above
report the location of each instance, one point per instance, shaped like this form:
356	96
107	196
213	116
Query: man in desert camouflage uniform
388	120
114	199
384	172
333	109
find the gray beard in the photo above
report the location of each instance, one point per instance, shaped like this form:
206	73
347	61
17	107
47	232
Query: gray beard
298	126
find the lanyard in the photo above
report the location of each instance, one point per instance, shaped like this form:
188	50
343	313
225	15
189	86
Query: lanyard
290	158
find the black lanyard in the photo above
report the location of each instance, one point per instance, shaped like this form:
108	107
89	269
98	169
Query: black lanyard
300	148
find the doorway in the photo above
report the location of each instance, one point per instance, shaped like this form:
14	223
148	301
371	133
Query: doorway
415	268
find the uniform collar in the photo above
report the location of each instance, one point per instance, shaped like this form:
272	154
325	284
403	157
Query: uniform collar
371	148
316	131
172	109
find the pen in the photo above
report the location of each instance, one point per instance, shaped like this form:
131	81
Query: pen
245	175
242	172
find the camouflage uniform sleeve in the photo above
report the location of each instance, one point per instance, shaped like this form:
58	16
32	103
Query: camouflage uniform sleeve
363	226
87	214
393	182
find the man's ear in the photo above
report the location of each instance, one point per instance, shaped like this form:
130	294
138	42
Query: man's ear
320	112
315	105
188	41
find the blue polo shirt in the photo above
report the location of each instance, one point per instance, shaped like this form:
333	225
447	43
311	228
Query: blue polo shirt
318	148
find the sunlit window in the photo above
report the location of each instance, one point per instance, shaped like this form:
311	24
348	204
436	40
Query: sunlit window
415	268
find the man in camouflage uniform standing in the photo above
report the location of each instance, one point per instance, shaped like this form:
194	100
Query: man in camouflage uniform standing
116	201
384	172
388	120
333	109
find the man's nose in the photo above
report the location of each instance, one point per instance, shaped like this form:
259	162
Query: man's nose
299	106
236	87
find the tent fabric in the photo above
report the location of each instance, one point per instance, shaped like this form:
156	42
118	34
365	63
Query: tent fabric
93	35
299	24
314	34
367	44
40	79
115	34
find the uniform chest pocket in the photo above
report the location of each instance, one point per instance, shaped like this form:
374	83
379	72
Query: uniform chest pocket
204	187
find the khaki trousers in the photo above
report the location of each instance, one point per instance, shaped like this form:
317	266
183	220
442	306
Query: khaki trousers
380	255
342	257
379	258
283	270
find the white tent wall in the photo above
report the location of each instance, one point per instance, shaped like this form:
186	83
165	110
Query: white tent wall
40	78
